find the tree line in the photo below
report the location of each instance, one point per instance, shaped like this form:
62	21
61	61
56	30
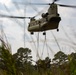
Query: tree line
20	63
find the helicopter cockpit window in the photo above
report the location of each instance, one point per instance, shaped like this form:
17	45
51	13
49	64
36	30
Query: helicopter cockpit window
32	19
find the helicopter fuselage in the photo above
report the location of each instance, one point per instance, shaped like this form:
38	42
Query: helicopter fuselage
44	24
49	20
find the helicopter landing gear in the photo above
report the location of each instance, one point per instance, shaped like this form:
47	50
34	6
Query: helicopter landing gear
44	33
57	30
32	33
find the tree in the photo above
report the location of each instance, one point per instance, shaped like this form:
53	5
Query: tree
43	66
72	63
60	58
23	55
60	64
6	61
23	60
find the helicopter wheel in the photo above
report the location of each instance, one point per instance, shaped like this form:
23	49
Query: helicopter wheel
44	33
57	30
32	33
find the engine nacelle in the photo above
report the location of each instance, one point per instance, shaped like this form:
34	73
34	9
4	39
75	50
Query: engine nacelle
44	15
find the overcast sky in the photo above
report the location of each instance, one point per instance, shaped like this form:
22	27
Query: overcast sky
14	28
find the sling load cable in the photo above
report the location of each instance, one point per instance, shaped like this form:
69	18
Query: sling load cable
34	47
43	47
68	37
47	47
38	33
56	41
44	44
33	42
50	49
35	9
38	57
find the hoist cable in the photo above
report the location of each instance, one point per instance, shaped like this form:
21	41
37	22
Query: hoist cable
33	42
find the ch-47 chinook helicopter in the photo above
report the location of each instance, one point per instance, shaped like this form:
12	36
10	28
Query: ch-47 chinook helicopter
49	21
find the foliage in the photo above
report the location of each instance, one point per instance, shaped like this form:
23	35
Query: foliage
43	66
72	63
60	58
23	60
6	62
20	63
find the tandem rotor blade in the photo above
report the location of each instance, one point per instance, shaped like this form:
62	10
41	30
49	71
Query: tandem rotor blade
6	16
71	6
54	1
33	3
63	5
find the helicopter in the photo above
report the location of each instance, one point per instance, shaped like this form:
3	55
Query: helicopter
49	21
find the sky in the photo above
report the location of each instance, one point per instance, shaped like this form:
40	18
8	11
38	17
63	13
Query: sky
16	29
